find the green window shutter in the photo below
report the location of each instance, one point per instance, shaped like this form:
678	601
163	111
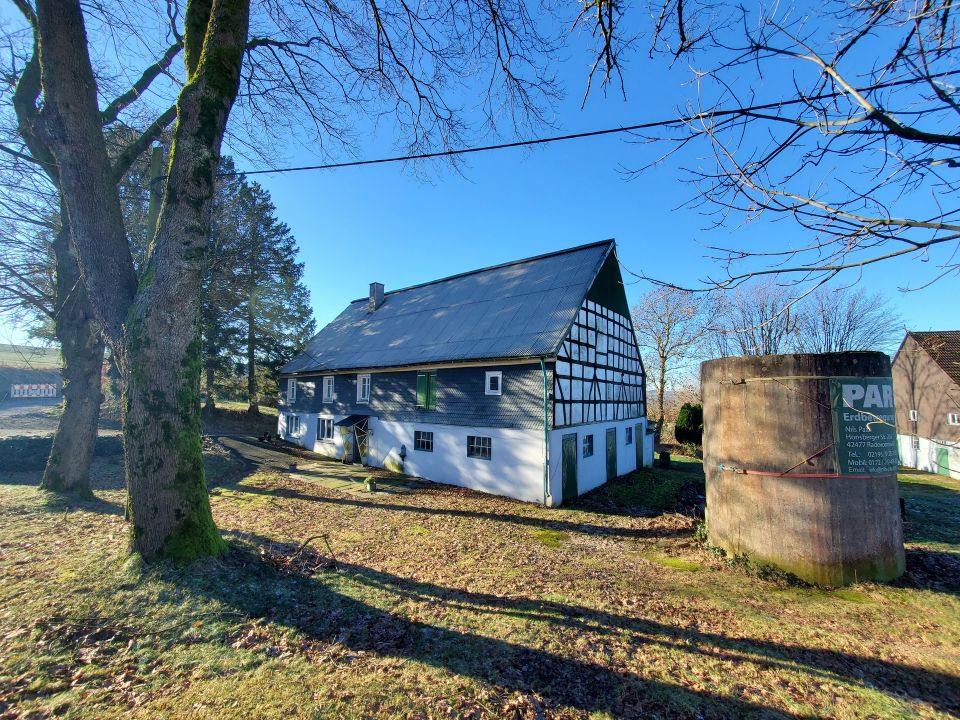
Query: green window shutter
421	390
432	391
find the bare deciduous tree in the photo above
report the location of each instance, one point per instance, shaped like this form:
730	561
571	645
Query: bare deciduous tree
751	320
844	117
670	325
330	61
834	320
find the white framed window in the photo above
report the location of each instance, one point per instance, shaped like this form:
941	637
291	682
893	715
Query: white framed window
479	447
913	416
325	429
494	383
293	425
291	390
629	435
327	388
588	446
363	388
953	418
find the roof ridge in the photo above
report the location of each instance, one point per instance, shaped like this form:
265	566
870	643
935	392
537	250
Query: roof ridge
499	266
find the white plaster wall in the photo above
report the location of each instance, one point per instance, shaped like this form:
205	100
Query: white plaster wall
925	455
592	471
516	467
308	429
514	470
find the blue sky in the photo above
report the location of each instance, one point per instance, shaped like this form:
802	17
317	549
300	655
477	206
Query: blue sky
401	225
389	224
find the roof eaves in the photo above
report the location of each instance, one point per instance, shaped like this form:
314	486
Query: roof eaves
514	359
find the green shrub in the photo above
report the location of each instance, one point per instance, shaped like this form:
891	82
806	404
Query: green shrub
689	425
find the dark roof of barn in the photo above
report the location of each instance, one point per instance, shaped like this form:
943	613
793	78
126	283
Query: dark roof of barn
517	310
944	347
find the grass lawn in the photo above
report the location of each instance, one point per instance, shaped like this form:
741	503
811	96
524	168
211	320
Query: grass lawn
235	406
444	603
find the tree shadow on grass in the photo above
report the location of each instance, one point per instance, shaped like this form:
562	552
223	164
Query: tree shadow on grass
536	522
313	607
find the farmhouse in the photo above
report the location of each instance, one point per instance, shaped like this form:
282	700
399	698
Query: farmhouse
522	379
926	385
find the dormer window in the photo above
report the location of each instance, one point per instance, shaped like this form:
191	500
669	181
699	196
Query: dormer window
494	383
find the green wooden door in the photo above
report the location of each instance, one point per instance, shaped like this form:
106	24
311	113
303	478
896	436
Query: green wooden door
638	443
943	461
611	454
569	467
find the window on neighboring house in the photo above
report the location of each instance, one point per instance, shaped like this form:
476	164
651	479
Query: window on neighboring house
913	416
423	440
291	390
427	390
325	429
293	424
588	446
363	388
953	418
629	436
327	388
479	447
494	384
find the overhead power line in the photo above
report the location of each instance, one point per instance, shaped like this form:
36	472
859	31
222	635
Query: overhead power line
577	136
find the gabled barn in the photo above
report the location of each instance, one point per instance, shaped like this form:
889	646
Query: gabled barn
522	379
926	386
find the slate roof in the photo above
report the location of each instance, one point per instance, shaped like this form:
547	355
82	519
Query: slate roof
944	347
519	309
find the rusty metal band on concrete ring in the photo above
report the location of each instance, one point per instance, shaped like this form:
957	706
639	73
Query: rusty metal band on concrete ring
744	381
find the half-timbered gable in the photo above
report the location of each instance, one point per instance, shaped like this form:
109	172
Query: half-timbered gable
599	375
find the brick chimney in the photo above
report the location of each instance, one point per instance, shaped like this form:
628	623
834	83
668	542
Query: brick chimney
376	297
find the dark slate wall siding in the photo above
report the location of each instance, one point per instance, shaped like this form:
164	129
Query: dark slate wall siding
460	397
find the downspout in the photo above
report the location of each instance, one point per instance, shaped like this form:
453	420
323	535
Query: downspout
546	436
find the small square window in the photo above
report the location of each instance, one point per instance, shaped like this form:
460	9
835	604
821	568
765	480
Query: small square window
325	429
479	447
953	418
363	388
494	383
588	446
629	435
291	390
423	440
328	388
913	416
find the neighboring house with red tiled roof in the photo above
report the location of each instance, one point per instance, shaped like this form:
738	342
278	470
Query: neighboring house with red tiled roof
926	385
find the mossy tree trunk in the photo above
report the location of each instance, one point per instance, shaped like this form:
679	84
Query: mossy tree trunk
81	343
151	326
68	467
